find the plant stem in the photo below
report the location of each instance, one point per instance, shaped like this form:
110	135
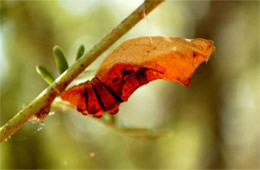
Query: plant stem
129	131
40	106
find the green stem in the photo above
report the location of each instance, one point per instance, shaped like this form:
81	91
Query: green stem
40	106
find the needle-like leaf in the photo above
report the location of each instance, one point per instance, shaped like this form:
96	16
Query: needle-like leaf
45	74
80	52
60	59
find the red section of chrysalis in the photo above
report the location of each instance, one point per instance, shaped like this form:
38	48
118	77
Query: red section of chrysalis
76	96
93	105
106	98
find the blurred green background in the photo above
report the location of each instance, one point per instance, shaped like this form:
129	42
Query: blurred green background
212	124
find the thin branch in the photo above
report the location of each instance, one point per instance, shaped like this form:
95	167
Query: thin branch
40	106
146	133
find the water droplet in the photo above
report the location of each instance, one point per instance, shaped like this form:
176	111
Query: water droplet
40	128
92	154
41	125
51	113
6	139
34	120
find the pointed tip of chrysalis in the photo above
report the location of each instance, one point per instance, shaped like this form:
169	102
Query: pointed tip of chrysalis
45	74
80	52
60	59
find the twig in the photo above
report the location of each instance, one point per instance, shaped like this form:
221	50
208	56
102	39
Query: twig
40	106
135	132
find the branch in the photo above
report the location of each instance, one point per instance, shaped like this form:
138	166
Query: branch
40	106
109	121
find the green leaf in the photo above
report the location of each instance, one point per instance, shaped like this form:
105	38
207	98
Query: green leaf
45	74
60	59
80	52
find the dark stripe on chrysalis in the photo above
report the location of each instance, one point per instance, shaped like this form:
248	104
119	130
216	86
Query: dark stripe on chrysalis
98	97
111	91
86	95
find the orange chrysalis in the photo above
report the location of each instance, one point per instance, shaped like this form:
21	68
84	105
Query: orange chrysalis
134	63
